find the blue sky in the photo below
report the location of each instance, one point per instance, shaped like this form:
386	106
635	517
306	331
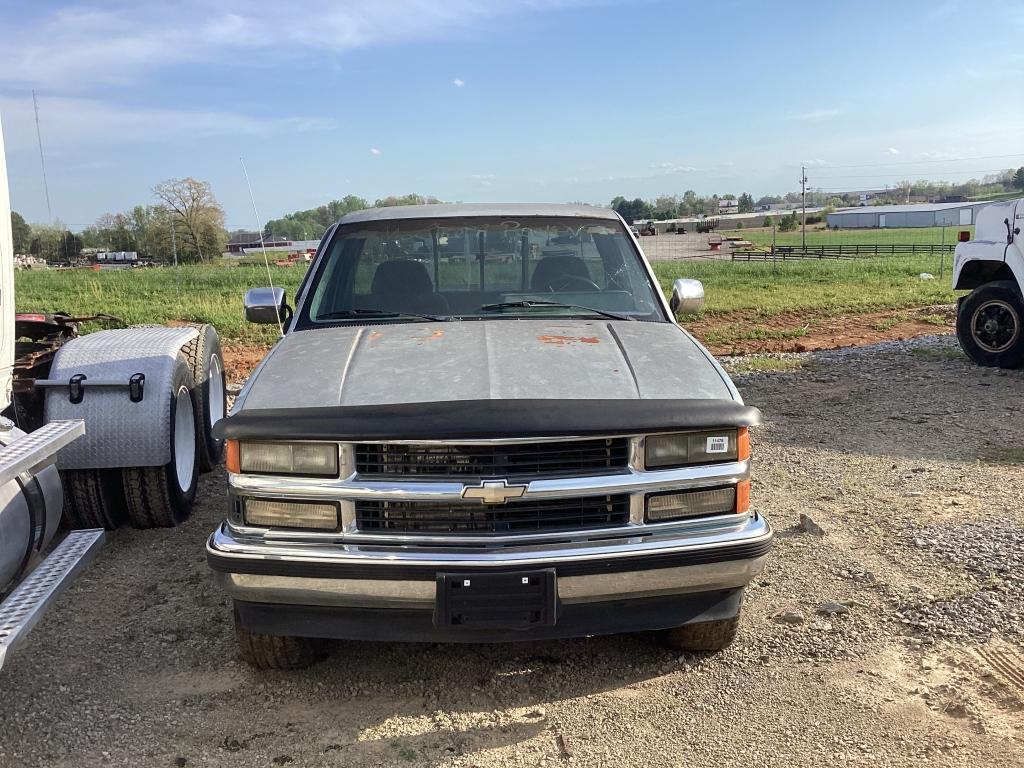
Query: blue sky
501	99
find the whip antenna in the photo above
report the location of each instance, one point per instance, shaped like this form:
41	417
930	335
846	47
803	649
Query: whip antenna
42	160
263	245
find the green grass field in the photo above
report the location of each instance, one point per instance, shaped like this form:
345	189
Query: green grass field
213	294
832	287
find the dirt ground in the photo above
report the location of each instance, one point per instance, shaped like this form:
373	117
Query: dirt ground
894	638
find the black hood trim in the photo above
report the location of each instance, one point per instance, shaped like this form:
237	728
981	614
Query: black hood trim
484	419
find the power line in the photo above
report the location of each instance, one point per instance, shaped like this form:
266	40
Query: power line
920	162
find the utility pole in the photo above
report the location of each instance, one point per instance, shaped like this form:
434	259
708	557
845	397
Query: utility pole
803	217
42	161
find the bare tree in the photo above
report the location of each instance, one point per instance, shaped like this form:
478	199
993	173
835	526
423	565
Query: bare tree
197	216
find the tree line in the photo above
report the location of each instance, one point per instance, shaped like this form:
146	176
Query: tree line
185	218
691	204
311	224
185	221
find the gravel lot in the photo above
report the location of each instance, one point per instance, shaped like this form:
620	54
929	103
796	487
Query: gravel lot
895	637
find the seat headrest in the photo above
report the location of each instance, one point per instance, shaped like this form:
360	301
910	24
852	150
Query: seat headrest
551	268
402	277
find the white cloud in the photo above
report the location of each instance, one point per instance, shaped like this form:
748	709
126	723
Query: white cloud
374	151
815	163
77	48
71	122
458	82
483	179
892	151
816	115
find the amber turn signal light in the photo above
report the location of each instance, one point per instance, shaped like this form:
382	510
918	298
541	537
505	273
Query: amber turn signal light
742	497
231	457
743	444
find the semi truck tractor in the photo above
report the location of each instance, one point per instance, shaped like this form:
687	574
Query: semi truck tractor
990	319
95	431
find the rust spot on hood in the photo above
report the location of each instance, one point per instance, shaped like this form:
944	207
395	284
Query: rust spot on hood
422	338
374	335
561	341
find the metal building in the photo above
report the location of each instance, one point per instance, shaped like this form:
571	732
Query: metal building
917	215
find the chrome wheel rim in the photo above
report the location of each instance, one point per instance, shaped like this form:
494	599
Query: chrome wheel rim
184	439
215	397
995	326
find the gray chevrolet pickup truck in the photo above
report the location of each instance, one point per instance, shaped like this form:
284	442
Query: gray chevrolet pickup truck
482	424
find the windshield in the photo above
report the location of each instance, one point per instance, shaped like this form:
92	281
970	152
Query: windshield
479	267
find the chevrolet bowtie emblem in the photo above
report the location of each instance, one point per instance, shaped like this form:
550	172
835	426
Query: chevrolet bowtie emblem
493	491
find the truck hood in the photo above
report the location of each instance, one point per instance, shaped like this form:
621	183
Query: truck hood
484	360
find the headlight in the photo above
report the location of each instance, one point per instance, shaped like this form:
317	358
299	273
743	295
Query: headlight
686	504
310	459
291	514
682	448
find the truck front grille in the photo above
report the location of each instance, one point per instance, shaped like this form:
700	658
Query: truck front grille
515	517
534	460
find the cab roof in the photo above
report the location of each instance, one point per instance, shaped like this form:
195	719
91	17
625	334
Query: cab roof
469	210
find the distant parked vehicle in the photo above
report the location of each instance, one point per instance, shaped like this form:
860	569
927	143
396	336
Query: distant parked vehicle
990	319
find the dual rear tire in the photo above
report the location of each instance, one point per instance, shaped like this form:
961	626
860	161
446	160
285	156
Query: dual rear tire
160	496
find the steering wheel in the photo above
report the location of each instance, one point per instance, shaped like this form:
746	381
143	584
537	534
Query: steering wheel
562	281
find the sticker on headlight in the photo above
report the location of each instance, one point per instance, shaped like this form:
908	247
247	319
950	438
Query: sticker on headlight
717	444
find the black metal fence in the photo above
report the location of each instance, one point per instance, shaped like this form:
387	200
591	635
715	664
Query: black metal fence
838	251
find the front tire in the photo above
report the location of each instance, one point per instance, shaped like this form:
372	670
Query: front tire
704	636
162	497
990	325
275	651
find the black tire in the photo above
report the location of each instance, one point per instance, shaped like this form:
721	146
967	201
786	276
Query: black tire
275	651
990	325
154	495
207	363
704	636
93	498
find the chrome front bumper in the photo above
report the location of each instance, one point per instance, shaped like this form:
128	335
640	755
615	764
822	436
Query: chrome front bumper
719	554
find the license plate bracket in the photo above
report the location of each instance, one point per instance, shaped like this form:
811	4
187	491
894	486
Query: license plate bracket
511	600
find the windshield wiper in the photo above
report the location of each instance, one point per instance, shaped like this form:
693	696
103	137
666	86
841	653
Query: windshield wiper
383	313
526	303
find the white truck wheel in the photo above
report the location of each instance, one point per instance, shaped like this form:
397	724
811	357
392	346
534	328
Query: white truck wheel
990	325
93	498
207	363
162	497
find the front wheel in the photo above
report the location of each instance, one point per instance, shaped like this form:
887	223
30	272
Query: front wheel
703	636
275	651
990	325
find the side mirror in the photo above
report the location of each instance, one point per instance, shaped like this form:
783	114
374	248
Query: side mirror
687	297
265	305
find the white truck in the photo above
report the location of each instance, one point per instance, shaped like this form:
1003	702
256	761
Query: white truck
94	430
990	319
